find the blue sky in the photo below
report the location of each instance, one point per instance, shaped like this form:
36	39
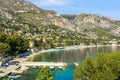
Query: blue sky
109	8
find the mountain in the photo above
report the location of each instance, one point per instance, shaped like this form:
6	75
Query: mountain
46	28
97	25
21	10
26	19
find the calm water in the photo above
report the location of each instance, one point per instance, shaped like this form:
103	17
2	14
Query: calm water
68	56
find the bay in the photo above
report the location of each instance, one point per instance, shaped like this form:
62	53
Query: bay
69	56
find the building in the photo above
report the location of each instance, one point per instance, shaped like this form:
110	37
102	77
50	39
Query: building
112	42
1	55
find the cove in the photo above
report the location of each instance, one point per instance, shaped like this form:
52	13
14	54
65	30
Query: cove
70	57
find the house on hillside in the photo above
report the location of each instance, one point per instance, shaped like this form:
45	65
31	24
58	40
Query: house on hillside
1	55
113	42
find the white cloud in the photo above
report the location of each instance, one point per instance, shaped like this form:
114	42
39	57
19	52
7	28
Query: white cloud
51	2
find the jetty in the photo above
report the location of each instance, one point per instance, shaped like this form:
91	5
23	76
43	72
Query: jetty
23	65
43	64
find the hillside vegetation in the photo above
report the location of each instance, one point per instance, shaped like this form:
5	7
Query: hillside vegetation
49	29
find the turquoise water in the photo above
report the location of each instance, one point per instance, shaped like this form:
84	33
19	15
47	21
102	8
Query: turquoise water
66	74
68	56
58	74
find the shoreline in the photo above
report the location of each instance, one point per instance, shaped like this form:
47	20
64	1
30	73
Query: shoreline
22	60
67	48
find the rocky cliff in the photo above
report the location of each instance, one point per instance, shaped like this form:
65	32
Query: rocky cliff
89	23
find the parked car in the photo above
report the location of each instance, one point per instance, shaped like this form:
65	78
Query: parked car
14	62
23	55
35	51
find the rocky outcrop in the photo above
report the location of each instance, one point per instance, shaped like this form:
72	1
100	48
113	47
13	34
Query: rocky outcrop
92	21
89	22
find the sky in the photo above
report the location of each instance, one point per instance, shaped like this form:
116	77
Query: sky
109	8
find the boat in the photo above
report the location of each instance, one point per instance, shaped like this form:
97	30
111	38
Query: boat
59	47
36	67
25	68
76	64
52	67
60	67
14	76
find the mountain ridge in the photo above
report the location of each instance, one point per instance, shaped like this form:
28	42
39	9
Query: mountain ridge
28	19
22	8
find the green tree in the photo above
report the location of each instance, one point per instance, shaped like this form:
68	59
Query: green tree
17	44
6	78
44	74
104	67
4	48
3	37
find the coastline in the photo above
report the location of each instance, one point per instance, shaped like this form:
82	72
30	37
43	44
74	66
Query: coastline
66	48
22	60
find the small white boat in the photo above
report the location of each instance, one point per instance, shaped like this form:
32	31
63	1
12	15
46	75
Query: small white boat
52	67
76	64
59	47
60	67
25	68
14	76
